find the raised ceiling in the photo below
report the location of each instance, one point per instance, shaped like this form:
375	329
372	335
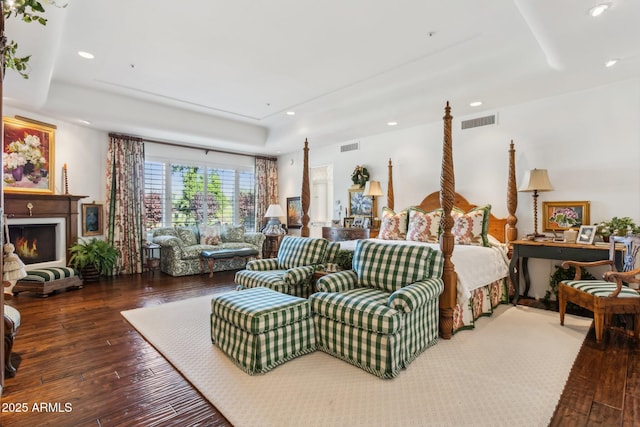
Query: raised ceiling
225	73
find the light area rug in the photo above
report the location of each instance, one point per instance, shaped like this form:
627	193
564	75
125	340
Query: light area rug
509	371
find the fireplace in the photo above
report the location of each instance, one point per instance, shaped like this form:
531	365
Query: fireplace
39	242
52	219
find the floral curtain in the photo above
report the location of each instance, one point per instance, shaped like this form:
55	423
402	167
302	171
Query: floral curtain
125	201
266	187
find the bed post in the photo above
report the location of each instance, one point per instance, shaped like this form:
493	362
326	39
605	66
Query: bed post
512	197
447	195
390	187
304	232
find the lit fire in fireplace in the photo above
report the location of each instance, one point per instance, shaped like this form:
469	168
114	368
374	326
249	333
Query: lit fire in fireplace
26	249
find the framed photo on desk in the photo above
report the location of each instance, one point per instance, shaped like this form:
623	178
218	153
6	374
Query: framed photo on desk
586	234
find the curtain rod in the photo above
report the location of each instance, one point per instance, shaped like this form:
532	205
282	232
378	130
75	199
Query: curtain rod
175	144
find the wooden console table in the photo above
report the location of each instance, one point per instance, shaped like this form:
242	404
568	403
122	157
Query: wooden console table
525	249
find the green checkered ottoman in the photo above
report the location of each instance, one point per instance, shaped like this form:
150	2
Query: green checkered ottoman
260	328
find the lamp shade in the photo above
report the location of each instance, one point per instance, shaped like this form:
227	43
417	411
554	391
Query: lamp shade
274	211
536	180
372	188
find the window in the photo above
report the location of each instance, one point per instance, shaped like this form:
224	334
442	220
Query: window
176	194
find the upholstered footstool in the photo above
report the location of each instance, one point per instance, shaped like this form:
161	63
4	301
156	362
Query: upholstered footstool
260	328
44	281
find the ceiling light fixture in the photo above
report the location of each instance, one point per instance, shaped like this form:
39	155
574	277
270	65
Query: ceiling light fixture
85	55
599	9
291	113
610	63
475	103
392	123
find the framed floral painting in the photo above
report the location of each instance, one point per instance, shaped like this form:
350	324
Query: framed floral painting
361	205
564	215
28	156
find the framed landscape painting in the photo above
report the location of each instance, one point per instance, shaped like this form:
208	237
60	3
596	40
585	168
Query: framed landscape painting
28	156
564	215
294	212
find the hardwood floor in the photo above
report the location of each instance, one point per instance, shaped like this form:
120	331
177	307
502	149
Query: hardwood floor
80	363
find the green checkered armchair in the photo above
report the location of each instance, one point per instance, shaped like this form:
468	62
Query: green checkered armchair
292	271
382	314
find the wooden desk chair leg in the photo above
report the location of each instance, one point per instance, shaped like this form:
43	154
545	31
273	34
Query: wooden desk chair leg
636	328
562	303
598	319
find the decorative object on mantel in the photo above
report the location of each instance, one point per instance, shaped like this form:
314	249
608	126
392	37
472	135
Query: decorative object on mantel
617	227
66	179
28	156
536	180
359	177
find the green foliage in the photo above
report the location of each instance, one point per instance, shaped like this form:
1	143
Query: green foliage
344	259
561	274
99	253
28	11
190	208
617	227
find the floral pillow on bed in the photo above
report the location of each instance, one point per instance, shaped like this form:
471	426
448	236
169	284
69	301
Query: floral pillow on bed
471	228
424	226
394	225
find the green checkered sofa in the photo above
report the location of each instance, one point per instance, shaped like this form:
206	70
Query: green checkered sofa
260	329
382	314
292	271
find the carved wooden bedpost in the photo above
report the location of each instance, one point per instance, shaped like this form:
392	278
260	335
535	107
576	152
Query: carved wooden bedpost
512	197
447	195
390	187
304	232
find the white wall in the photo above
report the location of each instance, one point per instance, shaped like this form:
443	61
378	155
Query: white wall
589	141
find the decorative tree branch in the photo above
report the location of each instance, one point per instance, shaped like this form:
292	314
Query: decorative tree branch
28	11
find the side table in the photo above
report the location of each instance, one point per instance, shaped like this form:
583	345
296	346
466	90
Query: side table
271	245
151	257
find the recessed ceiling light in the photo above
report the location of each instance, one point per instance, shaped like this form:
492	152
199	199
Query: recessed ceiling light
392	123
599	9
475	103
291	113
611	63
85	55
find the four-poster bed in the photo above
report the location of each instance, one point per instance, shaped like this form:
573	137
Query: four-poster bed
458	303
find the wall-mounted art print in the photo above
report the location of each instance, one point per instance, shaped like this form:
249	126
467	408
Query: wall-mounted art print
564	215
28	156
294	212
92	219
361	205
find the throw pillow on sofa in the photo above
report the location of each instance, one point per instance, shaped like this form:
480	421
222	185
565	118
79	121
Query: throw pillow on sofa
233	233
210	234
187	235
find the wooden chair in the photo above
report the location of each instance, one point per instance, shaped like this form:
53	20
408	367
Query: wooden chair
608	296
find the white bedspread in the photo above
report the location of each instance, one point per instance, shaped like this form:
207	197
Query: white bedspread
476	266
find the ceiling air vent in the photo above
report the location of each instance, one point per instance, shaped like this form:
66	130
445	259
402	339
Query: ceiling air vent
479	121
350	147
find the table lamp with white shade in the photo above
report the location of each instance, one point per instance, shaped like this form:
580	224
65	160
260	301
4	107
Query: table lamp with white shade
274	226
372	189
536	180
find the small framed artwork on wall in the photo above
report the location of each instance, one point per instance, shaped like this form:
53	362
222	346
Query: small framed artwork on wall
564	215
92	219
294	212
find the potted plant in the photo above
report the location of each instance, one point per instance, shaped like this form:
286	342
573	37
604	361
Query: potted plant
93	258
617	227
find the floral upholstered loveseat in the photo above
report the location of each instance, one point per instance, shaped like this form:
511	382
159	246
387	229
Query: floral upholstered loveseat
180	247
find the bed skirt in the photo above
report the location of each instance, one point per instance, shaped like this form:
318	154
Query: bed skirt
482	303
